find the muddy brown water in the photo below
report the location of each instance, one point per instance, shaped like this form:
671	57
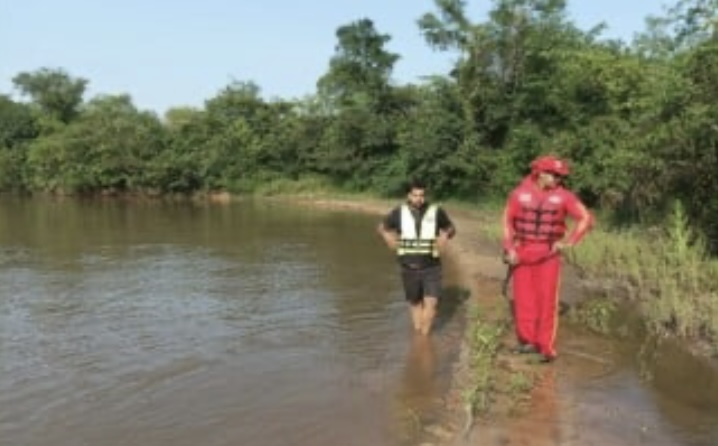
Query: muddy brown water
183	324
649	391
259	323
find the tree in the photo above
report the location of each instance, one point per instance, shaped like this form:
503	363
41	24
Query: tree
17	129
54	91
507	64
360	70
17	125
110	146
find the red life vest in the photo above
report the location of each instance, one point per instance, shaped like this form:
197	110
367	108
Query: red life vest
541	216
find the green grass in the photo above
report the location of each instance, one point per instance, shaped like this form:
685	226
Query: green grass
595	314
484	341
520	383
667	269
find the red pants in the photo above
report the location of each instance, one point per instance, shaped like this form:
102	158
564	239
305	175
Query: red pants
535	288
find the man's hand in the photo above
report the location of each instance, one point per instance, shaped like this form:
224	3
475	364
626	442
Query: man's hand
391	238
392	241
511	257
442	240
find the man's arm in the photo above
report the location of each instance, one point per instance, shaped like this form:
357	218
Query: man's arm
444	223
509	232
507	224
445	227
388	229
584	219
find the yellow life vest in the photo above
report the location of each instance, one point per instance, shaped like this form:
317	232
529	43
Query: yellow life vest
422	243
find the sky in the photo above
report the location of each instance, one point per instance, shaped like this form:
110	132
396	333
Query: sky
180	53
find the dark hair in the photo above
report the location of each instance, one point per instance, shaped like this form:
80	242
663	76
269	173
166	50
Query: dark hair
415	183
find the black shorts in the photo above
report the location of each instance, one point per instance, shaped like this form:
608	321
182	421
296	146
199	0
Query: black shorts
419	283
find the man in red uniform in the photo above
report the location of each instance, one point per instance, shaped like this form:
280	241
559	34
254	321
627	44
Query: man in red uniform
534	237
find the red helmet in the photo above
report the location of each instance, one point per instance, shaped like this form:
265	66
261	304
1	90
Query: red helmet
550	164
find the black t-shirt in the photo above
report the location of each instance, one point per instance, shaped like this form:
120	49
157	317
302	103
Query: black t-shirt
392	222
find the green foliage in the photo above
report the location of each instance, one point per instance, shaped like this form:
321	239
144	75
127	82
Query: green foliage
109	147
666	268
54	91
360	71
17	123
596	314
484	338
637	120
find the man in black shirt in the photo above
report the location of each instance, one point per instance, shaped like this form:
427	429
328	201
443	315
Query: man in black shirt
418	231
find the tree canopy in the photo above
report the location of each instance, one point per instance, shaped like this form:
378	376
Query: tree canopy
638	120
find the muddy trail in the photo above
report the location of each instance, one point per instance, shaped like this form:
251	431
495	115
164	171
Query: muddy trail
620	387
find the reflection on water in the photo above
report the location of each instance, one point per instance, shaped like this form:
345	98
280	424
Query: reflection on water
179	324
419	370
541	425
634	391
416	396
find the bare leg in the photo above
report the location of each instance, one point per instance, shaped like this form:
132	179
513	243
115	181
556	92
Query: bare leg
428	314
417	315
